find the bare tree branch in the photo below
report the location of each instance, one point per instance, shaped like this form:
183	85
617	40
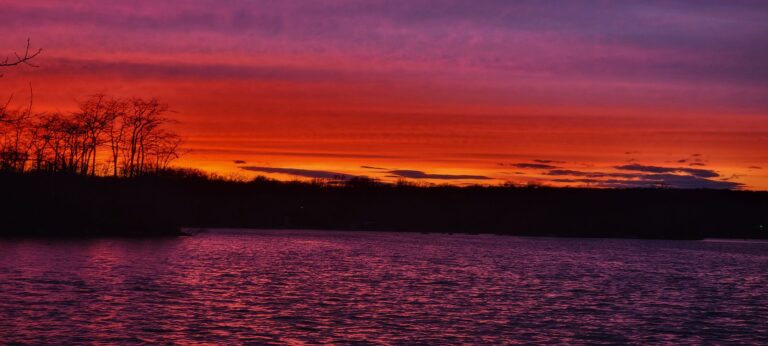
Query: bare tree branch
4	109
21	59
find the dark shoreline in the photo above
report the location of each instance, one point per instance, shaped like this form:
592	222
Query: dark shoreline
261	230
38	204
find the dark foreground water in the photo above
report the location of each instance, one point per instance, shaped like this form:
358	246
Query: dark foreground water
295	287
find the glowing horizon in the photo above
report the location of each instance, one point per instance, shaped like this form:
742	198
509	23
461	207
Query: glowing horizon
567	94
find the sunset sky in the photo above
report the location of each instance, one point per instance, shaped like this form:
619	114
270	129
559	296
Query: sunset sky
577	93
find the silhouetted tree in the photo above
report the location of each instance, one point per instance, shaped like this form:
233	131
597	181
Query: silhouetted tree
116	111
16	142
163	146
142	121
131	133
11	155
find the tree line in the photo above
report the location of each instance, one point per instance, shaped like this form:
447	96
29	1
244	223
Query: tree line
125	137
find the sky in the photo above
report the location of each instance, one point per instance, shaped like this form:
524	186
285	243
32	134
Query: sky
563	93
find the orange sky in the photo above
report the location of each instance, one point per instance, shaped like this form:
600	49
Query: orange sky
614	95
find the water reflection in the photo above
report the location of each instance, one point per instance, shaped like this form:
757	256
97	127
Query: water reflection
293	287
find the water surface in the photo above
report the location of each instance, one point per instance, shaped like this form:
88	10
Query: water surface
279	287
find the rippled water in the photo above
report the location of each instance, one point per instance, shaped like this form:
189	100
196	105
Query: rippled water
320	287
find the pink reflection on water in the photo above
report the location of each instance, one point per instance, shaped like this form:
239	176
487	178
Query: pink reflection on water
303	287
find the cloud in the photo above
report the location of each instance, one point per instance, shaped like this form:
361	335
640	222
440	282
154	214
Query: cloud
575	173
547	161
531	165
403	173
755	167
677	182
372	167
646	176
306	173
239	162
195	71
702	173
656	180
240	151
399	173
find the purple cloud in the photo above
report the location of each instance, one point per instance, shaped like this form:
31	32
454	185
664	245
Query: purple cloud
402	173
702	173
548	161
531	165
675	41
575	173
306	173
677	182
646	176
